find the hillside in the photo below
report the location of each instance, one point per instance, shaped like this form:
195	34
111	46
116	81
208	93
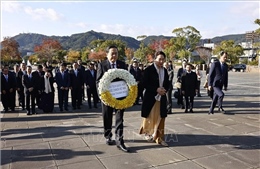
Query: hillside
27	41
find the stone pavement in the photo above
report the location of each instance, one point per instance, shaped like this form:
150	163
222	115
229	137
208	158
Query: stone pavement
74	139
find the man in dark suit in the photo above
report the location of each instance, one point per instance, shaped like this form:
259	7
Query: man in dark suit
82	69
20	88
76	86
62	79
90	80
38	74
189	87
30	85
136	72
218	77
179	76
8	86
168	66
110	63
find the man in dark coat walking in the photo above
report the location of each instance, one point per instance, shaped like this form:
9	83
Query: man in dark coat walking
218	77
189	87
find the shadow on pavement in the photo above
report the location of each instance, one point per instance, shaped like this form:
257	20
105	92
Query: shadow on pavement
11	156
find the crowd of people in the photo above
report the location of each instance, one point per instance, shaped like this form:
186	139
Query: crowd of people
155	87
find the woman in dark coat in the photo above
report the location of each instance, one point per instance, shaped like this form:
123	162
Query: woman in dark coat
154	108
47	91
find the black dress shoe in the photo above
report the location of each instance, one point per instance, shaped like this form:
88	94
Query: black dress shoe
191	111
211	112
109	141
122	147
186	111
220	109
29	113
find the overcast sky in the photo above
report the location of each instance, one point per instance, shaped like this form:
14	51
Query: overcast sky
129	18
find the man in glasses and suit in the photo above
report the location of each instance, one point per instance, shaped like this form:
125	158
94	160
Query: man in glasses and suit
112	62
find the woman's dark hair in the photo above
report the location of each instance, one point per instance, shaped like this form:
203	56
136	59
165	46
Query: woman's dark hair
159	53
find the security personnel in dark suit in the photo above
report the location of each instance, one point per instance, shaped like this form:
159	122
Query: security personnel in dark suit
112	62
62	79
168	66
189	87
30	85
38	74
8	86
218	77
136	72
90	80
82	69
76	85
20	88
179	76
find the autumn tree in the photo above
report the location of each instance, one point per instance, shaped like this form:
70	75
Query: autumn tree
48	49
85	53
60	55
185	41
101	45
159	45
144	53
129	53
73	56
234	51
9	50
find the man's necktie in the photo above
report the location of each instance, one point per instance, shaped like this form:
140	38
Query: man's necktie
113	66
222	67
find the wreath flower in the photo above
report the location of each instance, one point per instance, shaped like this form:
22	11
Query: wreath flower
107	97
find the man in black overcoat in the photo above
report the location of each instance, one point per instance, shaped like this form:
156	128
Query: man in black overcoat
189	87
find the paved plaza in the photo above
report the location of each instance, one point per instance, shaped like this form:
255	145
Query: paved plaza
74	139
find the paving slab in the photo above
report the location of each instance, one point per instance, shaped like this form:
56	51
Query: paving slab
69	156
181	165
250	156
95	164
125	161
38	155
161	156
193	152
221	161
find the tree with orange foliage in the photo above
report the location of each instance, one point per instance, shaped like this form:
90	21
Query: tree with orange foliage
9	49
47	49
100	55
129	53
159	45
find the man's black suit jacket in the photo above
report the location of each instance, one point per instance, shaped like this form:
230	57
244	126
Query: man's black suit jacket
105	66
217	76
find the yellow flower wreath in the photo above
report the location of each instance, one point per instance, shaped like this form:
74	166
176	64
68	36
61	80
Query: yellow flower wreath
107	97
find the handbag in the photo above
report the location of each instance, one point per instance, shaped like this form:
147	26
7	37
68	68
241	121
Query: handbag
177	85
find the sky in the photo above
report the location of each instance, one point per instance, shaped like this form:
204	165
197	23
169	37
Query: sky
128	18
